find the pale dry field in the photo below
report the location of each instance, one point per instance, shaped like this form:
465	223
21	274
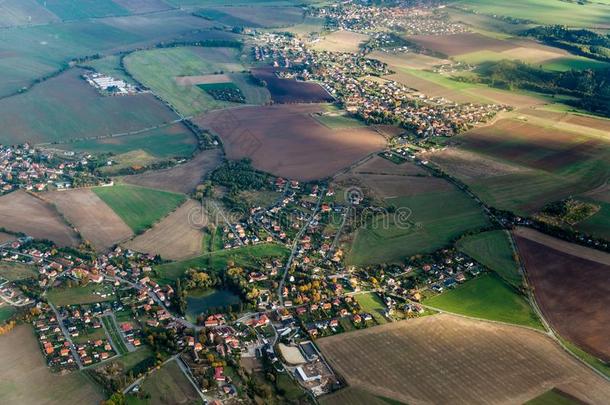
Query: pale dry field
25	378
96	222
182	178
174	237
408	59
572	249
467	165
449	359
341	41
22	212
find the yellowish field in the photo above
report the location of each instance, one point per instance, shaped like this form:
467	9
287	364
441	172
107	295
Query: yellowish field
341	41
96	222
450	359
408	59
173	238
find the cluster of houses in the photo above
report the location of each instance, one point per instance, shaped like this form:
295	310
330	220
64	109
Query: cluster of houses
413	18
109	86
357	82
24	167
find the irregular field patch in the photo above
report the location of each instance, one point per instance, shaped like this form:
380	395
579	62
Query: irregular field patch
288	91
174	237
169	385
341	41
249	256
22	212
494	250
75	10
425	222
487	297
449	359
158	69
286	141
572	291
139	207
26	379
95	221
182	178
458	44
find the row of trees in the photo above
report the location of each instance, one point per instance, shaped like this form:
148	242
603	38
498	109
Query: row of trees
590	87
580	41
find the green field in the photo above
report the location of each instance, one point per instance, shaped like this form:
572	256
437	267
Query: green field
338	121
573	63
130	360
30	53
494	250
552	397
371	303
16	271
78	9
170	385
115	335
549	12
166	142
487	297
62	296
139	207
255	16
5	313
249	256
597	225
549	155
66	108
436	220
158	70
110	66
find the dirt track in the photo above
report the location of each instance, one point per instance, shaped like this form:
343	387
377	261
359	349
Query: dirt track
444	359
571	290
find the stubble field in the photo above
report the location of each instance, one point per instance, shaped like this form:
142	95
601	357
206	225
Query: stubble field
448	359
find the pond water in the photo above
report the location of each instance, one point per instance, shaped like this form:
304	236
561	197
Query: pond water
199	301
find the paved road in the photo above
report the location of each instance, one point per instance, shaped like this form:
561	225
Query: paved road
295	245
60	321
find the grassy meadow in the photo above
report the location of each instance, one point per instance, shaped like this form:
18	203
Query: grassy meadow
436	219
166	142
487	297
248	256
371	303
493	249
139	207
17	271
91	293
